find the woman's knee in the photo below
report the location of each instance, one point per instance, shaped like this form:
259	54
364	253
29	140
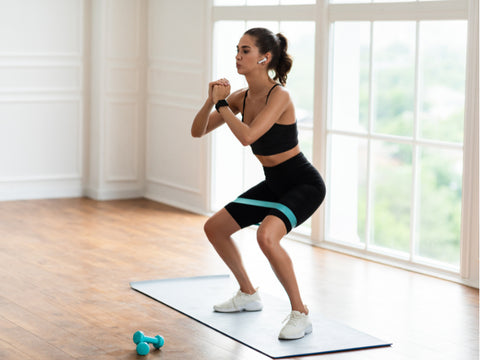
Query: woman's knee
219	225
209	228
268	238
264	240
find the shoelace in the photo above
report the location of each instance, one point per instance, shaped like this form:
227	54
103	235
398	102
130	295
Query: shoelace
292	318
238	296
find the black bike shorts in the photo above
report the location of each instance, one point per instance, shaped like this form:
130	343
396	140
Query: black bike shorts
291	191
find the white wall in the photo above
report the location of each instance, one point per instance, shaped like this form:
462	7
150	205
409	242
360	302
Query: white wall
178	59
78	115
117	103
41	98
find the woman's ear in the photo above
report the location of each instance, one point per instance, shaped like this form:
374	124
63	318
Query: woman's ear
264	59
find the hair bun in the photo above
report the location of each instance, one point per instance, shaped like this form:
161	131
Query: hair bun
282	42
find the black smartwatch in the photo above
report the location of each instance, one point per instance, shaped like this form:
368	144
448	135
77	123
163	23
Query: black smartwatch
221	103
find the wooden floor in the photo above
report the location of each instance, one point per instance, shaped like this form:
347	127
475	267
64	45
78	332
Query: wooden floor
65	268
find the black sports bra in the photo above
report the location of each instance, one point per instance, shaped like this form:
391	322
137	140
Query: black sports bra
277	139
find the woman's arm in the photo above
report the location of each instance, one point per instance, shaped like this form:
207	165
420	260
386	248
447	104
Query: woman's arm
248	134
203	121
207	120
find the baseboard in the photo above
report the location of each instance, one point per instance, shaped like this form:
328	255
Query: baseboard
175	203
109	194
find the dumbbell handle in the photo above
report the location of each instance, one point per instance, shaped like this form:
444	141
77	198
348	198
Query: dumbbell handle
139	337
151	340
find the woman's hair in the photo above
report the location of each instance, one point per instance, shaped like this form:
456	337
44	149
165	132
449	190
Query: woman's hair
277	45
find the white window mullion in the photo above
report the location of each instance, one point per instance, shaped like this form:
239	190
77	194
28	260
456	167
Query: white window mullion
469	249
401	139
369	195
321	106
415	203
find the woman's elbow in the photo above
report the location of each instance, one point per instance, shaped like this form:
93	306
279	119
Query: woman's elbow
195	133
246	141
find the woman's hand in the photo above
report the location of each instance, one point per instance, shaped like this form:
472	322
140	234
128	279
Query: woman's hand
221	92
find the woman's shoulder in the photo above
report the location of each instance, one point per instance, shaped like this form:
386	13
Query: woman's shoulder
236	98
238	94
280	93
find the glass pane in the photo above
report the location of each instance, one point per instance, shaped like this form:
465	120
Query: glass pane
443	46
271	25
347	189
225	40
439	210
252	169
391	195
227	175
393	77
305	138
301	46
350	79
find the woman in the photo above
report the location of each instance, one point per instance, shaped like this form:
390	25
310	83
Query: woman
292	189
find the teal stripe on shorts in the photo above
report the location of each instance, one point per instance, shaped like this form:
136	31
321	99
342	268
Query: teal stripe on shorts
269	204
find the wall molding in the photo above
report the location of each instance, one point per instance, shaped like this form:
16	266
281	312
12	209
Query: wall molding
38	98
181	64
79	40
134	177
36	178
158	181
183	102
136	55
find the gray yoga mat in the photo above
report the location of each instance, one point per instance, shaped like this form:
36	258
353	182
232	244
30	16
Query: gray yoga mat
194	297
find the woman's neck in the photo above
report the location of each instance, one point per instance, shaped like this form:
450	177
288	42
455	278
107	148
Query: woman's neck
258	85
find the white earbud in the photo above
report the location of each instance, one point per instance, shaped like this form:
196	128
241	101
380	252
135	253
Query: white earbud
262	61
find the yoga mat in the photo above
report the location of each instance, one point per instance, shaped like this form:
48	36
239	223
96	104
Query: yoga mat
195	297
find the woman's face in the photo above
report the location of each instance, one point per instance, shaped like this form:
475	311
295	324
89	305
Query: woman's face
248	55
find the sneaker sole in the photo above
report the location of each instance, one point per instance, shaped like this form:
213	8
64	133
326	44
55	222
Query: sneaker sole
252	307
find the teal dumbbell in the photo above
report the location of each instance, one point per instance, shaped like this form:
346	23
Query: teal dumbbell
142	342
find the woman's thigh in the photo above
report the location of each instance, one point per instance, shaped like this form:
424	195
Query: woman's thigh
221	223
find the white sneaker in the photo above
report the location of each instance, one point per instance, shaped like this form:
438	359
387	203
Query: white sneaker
297	327
241	302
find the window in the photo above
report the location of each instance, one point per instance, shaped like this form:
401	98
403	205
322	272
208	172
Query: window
384	92
395	138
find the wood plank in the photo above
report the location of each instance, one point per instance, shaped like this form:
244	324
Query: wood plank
66	265
33	346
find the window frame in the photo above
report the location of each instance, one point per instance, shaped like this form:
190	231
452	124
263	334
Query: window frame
324	14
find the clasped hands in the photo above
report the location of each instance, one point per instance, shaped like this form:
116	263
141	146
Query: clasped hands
218	90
